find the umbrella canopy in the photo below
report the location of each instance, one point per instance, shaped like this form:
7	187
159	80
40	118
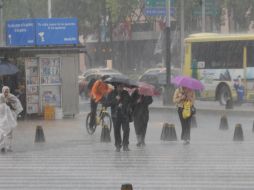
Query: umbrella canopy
7	68
188	82
147	89
121	80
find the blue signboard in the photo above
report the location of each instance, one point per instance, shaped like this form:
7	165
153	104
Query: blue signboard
56	31
159	11
155	11
31	32
157	8
20	32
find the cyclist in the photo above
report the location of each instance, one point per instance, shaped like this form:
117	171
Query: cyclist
98	90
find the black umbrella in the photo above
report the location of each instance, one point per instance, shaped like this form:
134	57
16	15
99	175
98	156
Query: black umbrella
121	79
7	68
117	80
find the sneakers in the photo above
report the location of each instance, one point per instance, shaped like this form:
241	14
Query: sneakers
139	144
126	148
186	142
118	149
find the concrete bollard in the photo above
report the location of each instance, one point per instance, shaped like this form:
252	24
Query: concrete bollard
168	132
194	122
238	134
126	186
224	123
39	134
229	104
105	134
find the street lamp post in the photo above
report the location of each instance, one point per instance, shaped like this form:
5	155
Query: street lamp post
167	91
1	23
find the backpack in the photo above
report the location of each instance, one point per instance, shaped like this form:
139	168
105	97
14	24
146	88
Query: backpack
186	109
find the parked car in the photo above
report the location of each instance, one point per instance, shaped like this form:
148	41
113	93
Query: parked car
157	77
94	73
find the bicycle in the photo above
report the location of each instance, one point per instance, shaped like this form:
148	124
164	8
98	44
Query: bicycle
103	119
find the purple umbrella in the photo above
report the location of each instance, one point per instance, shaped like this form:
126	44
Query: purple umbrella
188	82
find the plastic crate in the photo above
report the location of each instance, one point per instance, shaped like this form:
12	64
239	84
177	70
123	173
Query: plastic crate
49	112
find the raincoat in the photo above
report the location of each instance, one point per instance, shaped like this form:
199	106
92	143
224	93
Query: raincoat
12	101
99	90
7	123
10	108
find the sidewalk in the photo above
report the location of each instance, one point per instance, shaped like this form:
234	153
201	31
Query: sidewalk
72	159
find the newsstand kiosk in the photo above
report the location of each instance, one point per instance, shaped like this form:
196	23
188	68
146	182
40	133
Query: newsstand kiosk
49	49
52	80
51	77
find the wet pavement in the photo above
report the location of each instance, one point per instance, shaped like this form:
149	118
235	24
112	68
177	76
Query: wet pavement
72	159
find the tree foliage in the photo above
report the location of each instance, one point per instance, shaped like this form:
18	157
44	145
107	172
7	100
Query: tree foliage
90	12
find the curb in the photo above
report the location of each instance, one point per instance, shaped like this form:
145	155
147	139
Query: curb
206	110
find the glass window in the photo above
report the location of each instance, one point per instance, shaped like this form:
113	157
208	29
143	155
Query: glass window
218	54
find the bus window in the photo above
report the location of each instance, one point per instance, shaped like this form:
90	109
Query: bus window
218	54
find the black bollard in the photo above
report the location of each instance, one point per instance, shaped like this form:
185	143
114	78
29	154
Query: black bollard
238	134
105	134
39	134
126	186
193	122
224	123
229	104
168	132
253	127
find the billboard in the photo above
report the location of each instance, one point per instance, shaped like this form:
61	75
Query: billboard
42	32
56	31
20	32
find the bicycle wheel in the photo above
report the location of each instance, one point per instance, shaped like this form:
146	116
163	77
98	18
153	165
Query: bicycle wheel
106	121
89	129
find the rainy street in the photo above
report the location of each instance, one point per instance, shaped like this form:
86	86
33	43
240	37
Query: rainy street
72	159
60	59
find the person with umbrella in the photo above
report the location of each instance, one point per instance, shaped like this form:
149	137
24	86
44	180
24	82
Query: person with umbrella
181	95
140	103
119	100
184	98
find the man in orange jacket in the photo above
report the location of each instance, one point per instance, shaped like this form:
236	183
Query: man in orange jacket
98	91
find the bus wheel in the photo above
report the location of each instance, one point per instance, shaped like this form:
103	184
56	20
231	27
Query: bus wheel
224	95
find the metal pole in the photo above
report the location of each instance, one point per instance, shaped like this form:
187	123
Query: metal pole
203	16
167	56
1	23
49	9
168	43
182	34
